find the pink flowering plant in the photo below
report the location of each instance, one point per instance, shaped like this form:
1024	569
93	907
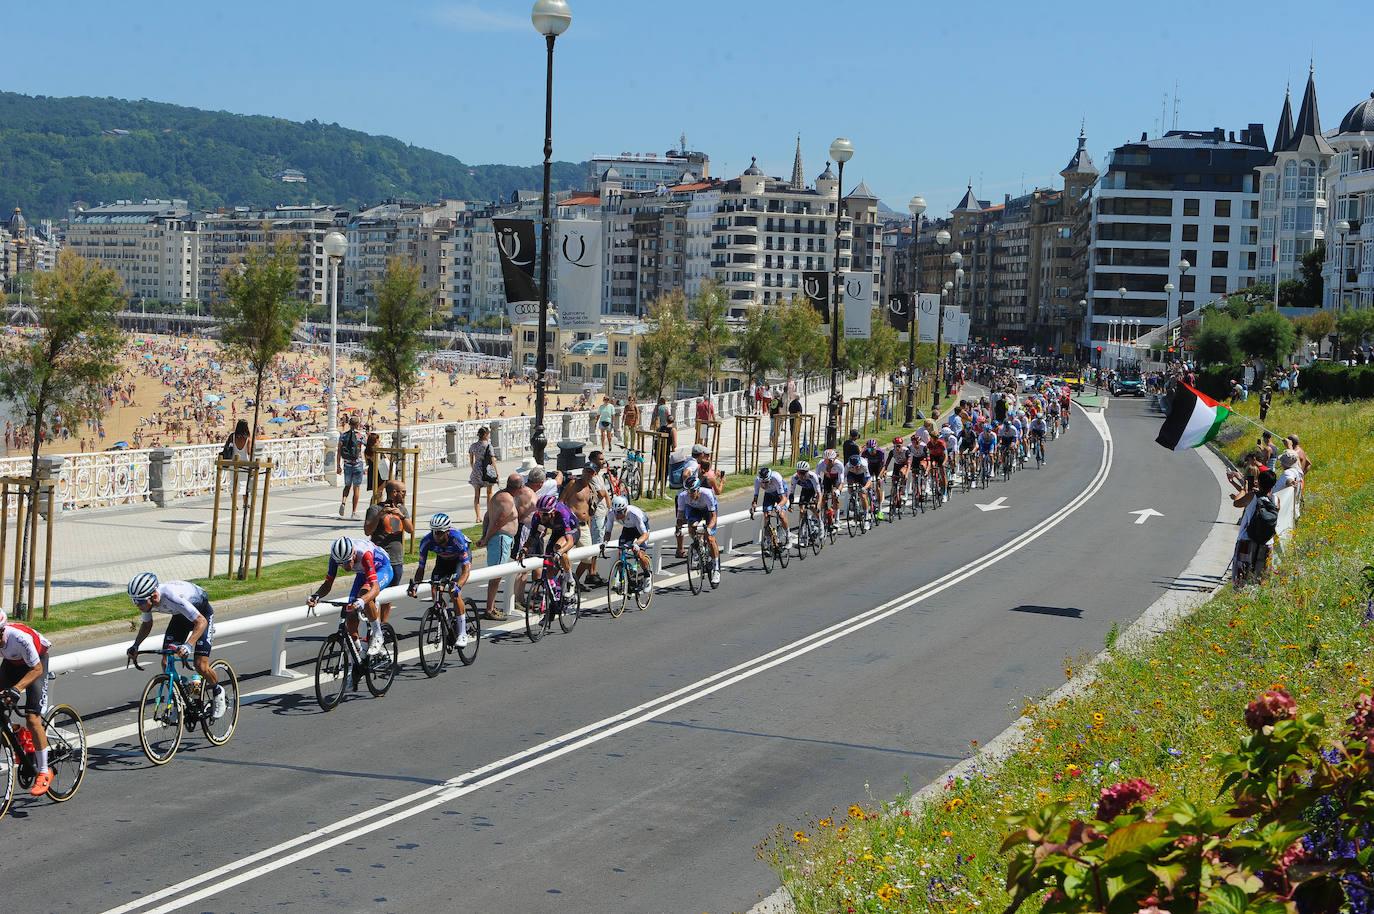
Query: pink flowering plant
1290	832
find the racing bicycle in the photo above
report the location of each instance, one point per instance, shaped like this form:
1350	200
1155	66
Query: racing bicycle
343	659
66	754
439	629
174	700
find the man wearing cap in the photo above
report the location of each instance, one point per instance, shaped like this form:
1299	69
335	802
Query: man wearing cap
351	462
1290	475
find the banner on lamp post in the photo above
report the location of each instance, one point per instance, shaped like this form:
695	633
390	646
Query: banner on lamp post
965	320
816	288
578	249
899	311
927	317
515	240
858	305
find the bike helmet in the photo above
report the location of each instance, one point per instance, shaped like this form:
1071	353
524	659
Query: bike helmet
765	472
546	503
691	483
898	441
142	586
856	461
440	522
342	551
3	619
871	443
830	453
620	504
803	466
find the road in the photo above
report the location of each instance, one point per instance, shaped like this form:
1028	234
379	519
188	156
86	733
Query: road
633	764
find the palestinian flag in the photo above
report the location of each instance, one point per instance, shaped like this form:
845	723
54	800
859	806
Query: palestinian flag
1194	419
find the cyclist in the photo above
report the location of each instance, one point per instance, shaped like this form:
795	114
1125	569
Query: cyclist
1007	437
371	567
191	624
774	490
987	444
701	508
451	552
898	461
829	469
938	481
968	440
877	468
806	484
1037	436
552	515
24	673
634	533
856	475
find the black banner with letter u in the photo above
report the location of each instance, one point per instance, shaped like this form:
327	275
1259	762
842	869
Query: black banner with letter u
515	238
899	311
816	285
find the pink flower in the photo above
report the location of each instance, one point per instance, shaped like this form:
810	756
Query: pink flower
1362	721
1270	708
1121	797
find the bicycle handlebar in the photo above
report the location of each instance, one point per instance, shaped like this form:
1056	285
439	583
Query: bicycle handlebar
160	652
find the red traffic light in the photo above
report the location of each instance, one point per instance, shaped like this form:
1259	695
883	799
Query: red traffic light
1099	348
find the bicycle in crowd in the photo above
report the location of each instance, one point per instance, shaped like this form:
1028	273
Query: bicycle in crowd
772	549
699	561
628	578
18	755
440	632
810	532
343	660
550	593
174	700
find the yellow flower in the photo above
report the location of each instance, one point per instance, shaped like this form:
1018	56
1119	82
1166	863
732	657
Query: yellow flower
826	822
800	837
886	892
1364	680
855	812
1098	717
946	834
842	831
953	804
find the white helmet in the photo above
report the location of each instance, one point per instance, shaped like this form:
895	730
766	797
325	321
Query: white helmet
342	550
440	522
619	504
142	586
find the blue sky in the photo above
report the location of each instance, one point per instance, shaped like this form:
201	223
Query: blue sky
932	95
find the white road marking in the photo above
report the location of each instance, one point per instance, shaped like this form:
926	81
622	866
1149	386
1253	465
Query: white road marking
301	628
1144	514
307	845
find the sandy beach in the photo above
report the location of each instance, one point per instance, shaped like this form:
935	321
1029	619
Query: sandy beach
182	390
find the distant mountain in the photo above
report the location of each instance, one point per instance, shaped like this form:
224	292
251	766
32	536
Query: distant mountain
54	151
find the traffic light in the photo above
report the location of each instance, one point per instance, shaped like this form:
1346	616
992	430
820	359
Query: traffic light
1099	348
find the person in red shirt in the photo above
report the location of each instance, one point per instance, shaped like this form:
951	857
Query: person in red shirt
24	672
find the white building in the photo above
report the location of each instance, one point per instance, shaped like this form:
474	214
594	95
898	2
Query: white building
1293	210
154	246
1351	180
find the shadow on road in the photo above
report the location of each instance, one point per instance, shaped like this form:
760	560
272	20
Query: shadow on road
803	739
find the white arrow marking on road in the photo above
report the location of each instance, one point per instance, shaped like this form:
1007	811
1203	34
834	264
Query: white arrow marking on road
1144	514
995	506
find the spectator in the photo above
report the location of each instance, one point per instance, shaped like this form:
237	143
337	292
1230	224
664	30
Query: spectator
605	419
775	406
794	413
1303	463
706	412
1251	557
387	523
349	461
239	445
1266	396
499	527
1267	451
483	474
1290	474
630	417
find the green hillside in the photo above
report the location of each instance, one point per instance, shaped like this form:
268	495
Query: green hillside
57	150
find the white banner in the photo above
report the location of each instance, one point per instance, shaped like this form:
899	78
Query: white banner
928	317
961	337
858	305
577	245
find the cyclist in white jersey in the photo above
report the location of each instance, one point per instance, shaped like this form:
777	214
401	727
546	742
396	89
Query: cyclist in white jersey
774	489
191	624
634	532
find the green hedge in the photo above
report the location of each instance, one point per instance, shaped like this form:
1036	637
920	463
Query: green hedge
1324	381
1215	381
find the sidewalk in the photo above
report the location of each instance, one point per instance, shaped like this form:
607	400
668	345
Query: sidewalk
96	552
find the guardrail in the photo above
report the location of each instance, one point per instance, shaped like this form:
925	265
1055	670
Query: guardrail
281	619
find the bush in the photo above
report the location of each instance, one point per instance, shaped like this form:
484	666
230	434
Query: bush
1324	381
1215	382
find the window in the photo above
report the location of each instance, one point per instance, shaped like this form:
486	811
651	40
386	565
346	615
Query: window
1190	206
1286	250
1219	259
1267	227
622	349
1218	285
1221	234
620	381
1190	231
599	370
1307	179
1290	219
1270	189
1222	209
1305	219
1290	180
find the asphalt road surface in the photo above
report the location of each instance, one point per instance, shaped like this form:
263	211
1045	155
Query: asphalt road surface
634	764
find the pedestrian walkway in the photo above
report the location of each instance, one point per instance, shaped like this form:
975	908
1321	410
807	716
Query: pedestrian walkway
95	552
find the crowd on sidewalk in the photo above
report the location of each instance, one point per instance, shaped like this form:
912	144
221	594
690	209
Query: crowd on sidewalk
1266	478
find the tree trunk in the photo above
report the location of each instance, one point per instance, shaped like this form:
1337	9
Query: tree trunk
247	541
396	444
24	611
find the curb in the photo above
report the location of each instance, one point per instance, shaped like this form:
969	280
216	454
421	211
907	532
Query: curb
1158	617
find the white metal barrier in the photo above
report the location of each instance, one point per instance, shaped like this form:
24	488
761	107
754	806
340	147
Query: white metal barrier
280	620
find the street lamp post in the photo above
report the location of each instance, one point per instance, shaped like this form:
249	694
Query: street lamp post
957	258
941	238
335	247
1183	267
841	151
551	18
917	206
1168	310
1341	228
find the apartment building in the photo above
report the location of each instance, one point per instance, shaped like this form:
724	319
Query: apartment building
1188	195
647	171
1293	210
154	246
1348	273
227	237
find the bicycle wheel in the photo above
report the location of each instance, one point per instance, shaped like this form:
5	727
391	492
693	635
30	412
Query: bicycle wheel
7	775
799	536
160	719
766	551
221	728
570	610
634	481
784	554
332	668
617	589
433	649
66	752
832	529
468	653
695	580
644	593
535	612
381	668
817	541
853	517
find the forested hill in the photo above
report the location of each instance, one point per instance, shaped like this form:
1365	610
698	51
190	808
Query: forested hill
54	151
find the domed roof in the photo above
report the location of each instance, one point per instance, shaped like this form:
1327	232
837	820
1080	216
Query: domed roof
1359	119
17	223
753	168
610	174
826	175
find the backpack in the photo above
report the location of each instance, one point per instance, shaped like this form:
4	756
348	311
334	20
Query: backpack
348	446
1264	521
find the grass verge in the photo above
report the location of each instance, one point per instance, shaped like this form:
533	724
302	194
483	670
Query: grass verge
1159	713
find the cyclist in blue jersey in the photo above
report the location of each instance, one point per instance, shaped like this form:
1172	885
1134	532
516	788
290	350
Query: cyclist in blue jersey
451	553
701	507
371	568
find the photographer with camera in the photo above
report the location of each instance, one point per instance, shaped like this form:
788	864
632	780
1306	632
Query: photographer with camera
387	523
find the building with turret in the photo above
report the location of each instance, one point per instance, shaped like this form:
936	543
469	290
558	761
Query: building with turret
1349	269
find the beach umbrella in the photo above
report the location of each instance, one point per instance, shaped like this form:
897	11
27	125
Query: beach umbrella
166	367
361	377
278	419
279	402
213	398
302	408
147	355
122	444
214	365
220	406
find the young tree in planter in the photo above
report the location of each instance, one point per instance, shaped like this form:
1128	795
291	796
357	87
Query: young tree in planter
802	344
756	346
59	372
392	351
663	349
710	333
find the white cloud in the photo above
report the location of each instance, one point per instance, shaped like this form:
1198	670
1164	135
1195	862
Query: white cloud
468	17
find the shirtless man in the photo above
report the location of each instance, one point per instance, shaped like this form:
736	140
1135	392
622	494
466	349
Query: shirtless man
578	495
499	526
